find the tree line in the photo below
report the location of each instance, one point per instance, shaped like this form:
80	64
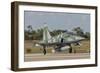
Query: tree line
31	34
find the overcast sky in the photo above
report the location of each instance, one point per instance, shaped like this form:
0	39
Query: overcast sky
57	20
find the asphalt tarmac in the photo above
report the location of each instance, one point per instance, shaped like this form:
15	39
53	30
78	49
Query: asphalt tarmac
55	56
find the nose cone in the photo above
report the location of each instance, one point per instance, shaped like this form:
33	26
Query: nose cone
37	45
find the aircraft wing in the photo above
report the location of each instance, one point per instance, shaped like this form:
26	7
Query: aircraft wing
59	43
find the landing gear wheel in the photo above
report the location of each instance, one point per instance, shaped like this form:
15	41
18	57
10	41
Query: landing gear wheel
70	49
44	50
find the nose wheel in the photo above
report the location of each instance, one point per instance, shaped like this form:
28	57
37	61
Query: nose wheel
70	49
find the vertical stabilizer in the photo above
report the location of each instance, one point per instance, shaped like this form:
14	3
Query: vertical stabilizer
46	35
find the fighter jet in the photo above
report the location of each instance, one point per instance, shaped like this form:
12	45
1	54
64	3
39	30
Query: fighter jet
59	42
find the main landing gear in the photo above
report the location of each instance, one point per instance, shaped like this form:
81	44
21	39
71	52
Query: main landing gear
44	50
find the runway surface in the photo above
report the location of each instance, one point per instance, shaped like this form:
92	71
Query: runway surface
55	56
